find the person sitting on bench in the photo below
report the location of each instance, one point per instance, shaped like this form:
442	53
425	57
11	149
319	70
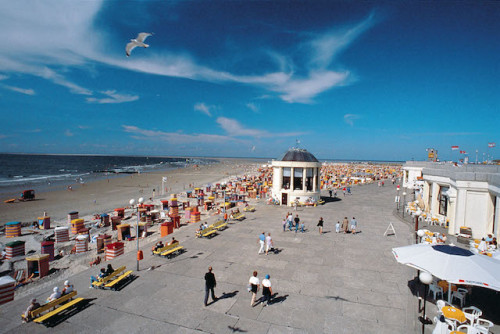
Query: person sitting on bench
158	246
172	242
33	306
109	270
102	274
68	287
56	294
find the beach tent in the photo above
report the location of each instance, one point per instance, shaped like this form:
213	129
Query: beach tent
453	264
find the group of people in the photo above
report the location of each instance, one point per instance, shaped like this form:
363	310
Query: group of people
104	272
489	242
266	243
56	294
346	224
291	222
254	286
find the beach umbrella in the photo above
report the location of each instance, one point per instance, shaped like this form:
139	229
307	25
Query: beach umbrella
453	264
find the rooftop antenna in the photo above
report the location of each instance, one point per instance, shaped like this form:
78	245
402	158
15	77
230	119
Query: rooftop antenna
297	142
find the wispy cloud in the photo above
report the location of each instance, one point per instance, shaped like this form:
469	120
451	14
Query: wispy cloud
236	129
176	137
26	91
3	136
50	38
113	97
350	118
253	107
68	133
3	77
204	108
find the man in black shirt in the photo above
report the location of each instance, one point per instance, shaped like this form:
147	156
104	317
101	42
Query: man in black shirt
210	284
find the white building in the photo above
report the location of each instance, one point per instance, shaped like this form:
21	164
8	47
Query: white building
296	176
467	195
411	176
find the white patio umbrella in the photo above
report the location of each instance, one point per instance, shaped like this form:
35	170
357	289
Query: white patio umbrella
453	264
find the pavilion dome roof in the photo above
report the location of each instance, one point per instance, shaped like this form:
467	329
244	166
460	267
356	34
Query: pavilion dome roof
298	154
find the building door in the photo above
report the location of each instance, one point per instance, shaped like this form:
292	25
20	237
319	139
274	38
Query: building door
284	199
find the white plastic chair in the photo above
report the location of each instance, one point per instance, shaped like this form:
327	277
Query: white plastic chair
483	324
460	294
441	327
472	313
435	290
468	329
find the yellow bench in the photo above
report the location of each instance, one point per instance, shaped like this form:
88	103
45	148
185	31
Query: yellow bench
219	225
166	248
249	209
50	305
171	251
208	232
238	216
101	282
58	310
111	285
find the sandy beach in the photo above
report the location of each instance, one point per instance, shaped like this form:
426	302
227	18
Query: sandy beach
107	194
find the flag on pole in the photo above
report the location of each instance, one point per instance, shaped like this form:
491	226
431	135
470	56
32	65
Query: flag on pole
454	148
492	144
463	152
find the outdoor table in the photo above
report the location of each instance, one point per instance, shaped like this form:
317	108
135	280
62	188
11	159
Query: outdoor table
457	332
444	285
451	312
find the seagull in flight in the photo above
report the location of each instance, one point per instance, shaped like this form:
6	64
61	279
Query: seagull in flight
138	41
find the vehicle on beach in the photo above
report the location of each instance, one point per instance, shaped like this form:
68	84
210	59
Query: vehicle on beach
27	195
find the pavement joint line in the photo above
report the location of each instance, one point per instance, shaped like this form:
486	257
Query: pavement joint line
149	318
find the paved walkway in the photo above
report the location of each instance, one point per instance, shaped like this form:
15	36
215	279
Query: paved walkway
330	283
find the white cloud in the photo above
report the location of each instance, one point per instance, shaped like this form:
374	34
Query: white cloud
26	91
3	77
176	137
253	149
253	107
350	118
50	38
113	97
68	133
236	129
204	108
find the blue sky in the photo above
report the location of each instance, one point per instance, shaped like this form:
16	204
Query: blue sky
350	80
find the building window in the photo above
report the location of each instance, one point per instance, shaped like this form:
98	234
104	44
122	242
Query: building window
309	179
286	177
443	201
297	179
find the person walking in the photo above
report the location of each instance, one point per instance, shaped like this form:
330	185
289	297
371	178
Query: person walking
262	239
210	284
331	193
345	225
337	227
320	225
285	221
335	192
354	224
344	189
290	221
297	221
267	291
254	284
269	243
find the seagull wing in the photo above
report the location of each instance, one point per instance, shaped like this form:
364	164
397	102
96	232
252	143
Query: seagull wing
128	49
142	36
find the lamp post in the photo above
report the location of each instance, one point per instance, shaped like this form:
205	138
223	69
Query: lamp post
426	279
139	202
404	202
420	234
397	199
417	215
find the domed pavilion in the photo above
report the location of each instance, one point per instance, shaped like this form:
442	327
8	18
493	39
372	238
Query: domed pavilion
296	177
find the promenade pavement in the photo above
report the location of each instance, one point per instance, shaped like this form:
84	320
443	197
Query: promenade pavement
330	283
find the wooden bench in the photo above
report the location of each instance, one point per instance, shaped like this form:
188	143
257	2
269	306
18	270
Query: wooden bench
238	216
208	232
172	250
103	281
219	225
51	305
249	209
166	248
112	285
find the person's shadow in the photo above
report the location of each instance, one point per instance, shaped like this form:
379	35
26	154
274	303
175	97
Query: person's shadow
224	295
276	300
